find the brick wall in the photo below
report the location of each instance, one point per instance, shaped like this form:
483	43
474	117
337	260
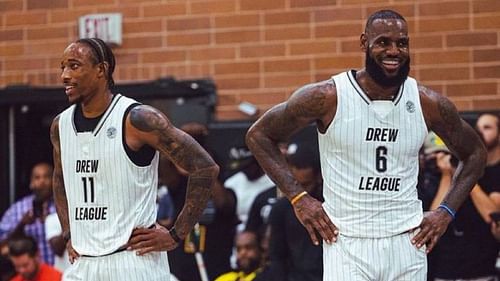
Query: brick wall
259	50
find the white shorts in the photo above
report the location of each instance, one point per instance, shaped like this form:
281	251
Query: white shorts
374	259
121	266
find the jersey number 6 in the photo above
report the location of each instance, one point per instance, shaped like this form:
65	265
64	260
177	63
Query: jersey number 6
381	159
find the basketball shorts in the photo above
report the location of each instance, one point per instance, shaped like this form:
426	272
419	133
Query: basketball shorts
121	266
374	259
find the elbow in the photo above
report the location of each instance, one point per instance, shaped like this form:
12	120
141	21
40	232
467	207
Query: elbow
252	136
212	170
215	170
481	158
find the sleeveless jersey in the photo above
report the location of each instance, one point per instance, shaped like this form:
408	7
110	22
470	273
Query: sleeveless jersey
108	195
369	160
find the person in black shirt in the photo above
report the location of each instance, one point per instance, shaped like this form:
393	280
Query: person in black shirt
292	254
468	250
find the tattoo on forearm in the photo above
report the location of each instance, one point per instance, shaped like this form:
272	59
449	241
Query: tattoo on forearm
185	152
198	193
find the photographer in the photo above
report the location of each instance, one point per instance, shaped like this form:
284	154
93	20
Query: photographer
468	249
27	215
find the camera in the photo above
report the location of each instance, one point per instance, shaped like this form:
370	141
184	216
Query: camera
37	208
495	216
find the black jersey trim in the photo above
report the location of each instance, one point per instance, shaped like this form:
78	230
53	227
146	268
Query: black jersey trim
352	78
397	98
145	155
115	100
351	75
73	120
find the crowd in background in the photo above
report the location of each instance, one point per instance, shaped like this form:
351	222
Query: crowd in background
249	232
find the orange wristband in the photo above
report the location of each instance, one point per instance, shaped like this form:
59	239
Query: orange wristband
297	197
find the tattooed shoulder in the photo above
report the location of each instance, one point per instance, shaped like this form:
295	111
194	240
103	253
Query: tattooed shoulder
313	100
147	119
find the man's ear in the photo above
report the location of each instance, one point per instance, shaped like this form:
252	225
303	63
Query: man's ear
363	42
103	69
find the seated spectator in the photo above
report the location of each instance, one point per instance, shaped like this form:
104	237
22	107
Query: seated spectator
27	215
248	258
7	270
23	252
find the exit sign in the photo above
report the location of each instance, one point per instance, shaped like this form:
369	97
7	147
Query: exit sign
107	27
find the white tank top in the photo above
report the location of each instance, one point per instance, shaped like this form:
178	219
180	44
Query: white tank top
369	160
108	195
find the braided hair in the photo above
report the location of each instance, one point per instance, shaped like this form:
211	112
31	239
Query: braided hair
101	52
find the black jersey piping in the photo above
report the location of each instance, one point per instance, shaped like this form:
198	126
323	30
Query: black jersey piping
145	155
352	74
108	112
397	98
73	120
356	86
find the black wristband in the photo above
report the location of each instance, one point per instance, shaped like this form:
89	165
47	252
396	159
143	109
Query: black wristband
67	237
174	235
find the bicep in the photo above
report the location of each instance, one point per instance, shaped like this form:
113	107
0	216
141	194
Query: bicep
311	103
150	126
444	119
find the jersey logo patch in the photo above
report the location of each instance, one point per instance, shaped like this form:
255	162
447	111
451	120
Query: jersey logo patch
111	132
410	106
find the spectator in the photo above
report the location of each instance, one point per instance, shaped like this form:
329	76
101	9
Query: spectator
7	270
24	255
293	256
27	215
54	235
247	183
248	258
214	237
258	218
467	250
166	209
495	230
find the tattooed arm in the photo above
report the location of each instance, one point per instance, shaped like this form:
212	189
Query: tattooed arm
147	125
59	190
311	103
442	117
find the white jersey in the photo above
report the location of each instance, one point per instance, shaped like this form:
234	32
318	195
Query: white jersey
108	195
369	160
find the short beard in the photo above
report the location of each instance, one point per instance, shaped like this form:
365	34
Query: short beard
492	145
377	73
252	266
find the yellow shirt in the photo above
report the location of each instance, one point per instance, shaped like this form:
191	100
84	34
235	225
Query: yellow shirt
237	276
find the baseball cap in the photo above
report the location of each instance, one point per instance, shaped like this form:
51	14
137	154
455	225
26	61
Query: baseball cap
433	143
239	157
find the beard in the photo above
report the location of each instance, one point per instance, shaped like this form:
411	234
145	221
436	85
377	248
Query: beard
250	266
377	73
490	146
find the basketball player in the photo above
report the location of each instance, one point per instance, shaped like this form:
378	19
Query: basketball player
372	123
105	178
